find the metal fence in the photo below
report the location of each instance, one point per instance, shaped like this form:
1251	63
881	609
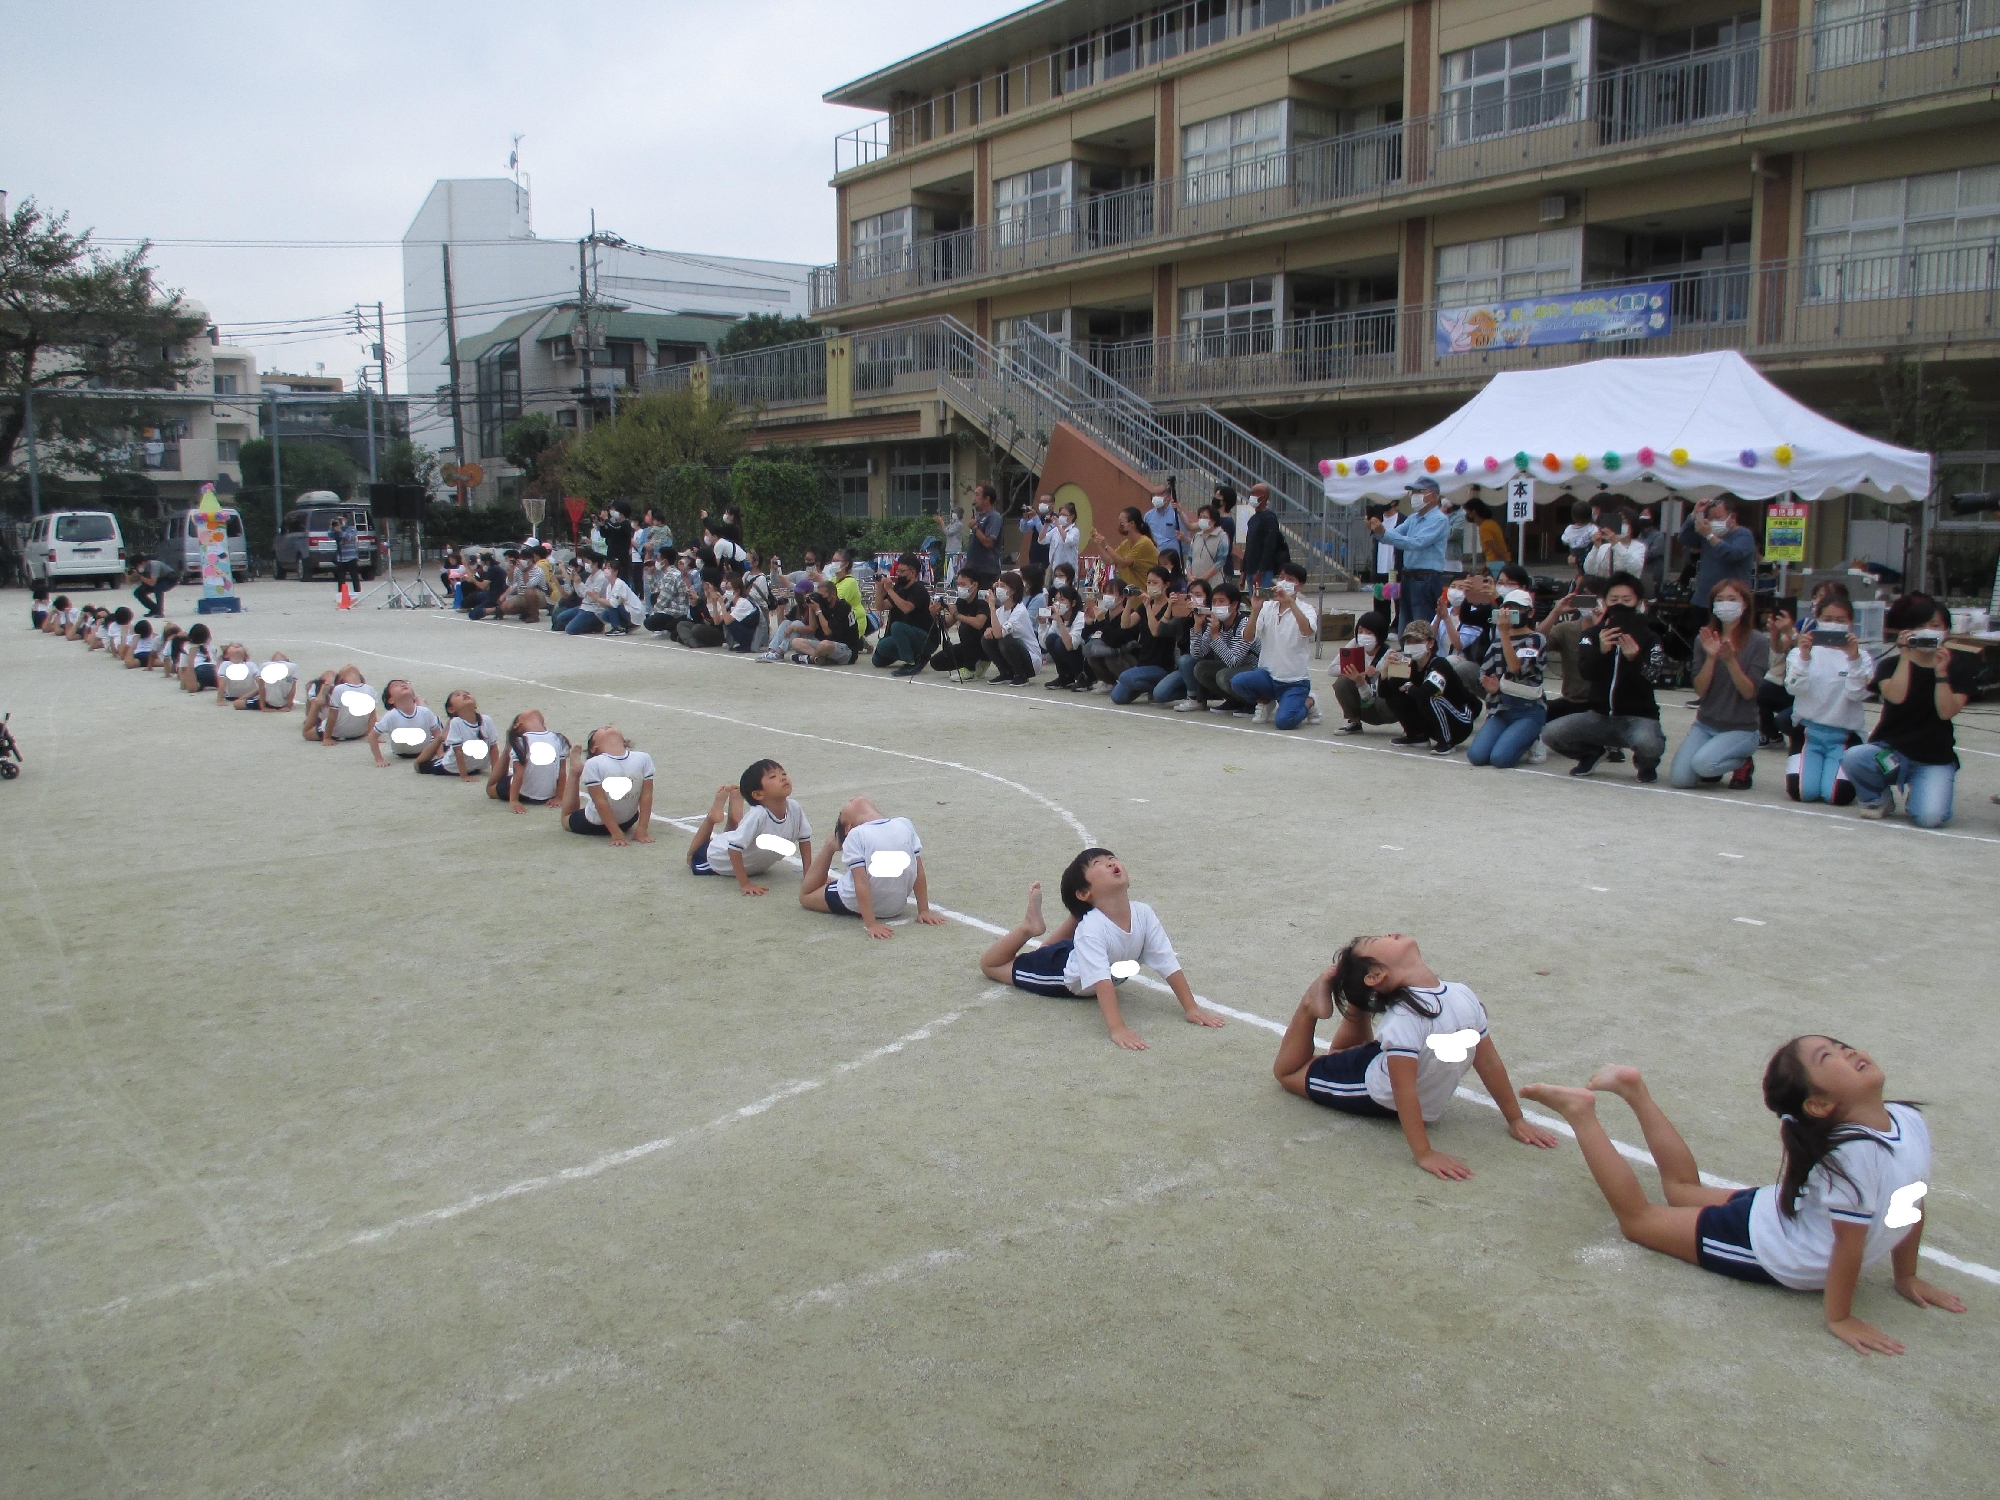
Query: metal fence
1883	57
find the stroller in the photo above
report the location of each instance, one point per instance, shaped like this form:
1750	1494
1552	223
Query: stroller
10	753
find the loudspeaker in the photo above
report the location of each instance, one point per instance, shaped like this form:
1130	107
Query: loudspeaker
398	502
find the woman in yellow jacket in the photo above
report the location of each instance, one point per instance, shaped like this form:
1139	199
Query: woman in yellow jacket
1133	553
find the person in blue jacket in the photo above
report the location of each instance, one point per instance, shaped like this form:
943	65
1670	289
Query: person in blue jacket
1420	536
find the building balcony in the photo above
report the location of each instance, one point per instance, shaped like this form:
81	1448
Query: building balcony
1729	98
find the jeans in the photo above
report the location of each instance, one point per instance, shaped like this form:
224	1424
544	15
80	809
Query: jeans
1177	683
1105	663
1711	753
1927	787
900	642
1289	696
1819	767
1136	682
559	621
1587	735
581	622
153	596
1421	588
1508	732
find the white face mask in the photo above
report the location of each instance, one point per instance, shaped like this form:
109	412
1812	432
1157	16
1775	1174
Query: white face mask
1728	611
1005	596
1416	650
1365	641
833	570
1717	528
1203	524
1287	588
1041	510
1153	591
1456	596
964	593
1223	612
1061	608
1061	583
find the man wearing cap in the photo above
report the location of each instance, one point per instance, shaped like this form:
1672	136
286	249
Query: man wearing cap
1263	543
1420	537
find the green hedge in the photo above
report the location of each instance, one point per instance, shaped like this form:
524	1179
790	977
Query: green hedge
480	525
787	506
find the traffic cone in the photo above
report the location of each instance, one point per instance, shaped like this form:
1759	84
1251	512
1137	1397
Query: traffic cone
346	598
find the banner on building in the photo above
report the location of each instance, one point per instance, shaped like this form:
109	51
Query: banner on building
1626	312
1785	533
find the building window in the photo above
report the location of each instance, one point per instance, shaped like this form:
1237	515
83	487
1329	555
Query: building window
225	385
228	450
1516	83
1520	265
1852	31
881	242
1229	318
920	480
1032	205
853	480
1939	232
499	392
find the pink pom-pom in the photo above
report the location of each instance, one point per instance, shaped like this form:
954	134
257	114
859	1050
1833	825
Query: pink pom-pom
1325	467
1401	463
1492	464
1645	458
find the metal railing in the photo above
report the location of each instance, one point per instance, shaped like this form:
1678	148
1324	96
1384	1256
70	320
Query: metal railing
1877	59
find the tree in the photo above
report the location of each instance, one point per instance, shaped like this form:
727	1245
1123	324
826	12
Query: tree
765	331
71	318
787	505
306	466
527	439
622	460
407	462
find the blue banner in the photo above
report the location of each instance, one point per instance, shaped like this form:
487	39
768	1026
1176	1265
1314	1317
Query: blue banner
1626	312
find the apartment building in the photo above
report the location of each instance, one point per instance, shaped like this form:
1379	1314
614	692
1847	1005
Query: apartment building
1313	216
203	426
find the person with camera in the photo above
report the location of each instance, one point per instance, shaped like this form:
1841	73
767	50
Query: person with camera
1516	708
1420	537
1009	639
1133	552
1218	650
1357	676
668	603
1283	630
964	616
1725	548
905	607
982	538
1722	741
1826	682
1155	635
1429	698
1913	749
1063	625
829	634
1188	609
1109	642
1622	659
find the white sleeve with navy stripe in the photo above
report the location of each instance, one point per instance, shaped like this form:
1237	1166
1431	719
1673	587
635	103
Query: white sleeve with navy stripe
1101	942
419	722
462	731
631	771
1440	1064
1886	1172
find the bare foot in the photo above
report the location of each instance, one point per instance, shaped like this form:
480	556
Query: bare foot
1032	923
1619	1079
1571	1104
719	808
1318	998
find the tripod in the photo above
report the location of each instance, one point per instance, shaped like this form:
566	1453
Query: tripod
419	596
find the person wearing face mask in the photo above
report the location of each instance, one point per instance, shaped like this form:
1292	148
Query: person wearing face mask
1430	699
1155	643
1207	549
1512	677
1187	610
1110	642
982	542
1492	535
1654	575
1613	550
667	601
841	569
1826	680
1009	639
1224	503
1622	659
1727	549
1133	552
1165	521
1913	747
964	618
905	607
1065	538
1283	630
1733	659
1035	528
1264	550
1464	626
1220	652
831	636
1357	686
1420	536
1063	635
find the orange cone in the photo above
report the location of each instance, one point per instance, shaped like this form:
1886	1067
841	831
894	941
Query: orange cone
346	599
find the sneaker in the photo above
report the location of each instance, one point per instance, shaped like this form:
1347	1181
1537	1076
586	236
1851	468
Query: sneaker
907	669
1262	714
1739	779
1585	766
1101	687
1537	753
1880	809
1190	706
1442	747
979	672
1059	682
1615	757
1649	774
1313	715
1410	739
767	656
1352	726
801	659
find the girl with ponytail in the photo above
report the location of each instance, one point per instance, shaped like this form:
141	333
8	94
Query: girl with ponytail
1850	1190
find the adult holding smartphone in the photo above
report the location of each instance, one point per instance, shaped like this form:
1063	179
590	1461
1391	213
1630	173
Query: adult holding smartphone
1913	746
1420	536
1723	738
1282	627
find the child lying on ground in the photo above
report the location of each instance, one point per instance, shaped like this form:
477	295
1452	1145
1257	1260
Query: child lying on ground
750	827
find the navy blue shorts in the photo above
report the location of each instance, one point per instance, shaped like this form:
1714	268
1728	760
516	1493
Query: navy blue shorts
698	863
1722	1240
835	905
578	823
435	768
506	792
204	676
1339	1080
1041	972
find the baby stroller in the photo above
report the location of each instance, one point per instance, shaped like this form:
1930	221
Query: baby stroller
10	753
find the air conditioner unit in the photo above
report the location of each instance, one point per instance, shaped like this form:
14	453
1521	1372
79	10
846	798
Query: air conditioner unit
1555	208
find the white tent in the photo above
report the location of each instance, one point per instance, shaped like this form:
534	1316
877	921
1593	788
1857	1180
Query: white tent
1695	425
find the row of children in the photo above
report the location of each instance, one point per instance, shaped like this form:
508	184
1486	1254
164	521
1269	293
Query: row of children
188	658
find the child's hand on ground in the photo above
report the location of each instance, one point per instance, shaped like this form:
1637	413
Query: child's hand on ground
1925	1295
1450	1168
1531	1135
1127	1038
640	836
878	930
1863	1338
751	888
1200	1017
930	918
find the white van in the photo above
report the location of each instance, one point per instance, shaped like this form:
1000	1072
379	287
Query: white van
71	547
180	544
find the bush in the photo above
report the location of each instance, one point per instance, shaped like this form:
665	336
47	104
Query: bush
787	506
890	534
681	492
476	525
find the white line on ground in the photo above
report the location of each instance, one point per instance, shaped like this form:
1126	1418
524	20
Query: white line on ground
1749	921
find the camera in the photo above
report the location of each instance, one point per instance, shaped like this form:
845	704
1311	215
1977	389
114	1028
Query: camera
1584	603
1396	666
1830	635
1511	615
1926	640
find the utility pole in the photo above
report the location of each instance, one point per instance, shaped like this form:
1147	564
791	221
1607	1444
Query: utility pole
368	399
277	469
34	465
583	315
451	336
382	358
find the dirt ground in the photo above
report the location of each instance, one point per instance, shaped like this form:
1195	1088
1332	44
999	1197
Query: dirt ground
361	1138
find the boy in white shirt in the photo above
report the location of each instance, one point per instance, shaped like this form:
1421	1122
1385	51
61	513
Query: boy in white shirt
1283	631
1102	943
751	827
611	793
882	866
413	728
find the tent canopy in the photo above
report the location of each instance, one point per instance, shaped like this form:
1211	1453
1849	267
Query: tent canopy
1695	425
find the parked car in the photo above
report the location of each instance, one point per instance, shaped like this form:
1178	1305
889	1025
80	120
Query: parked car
180	545
76	547
305	543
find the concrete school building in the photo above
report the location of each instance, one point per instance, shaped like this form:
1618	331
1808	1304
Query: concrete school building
1263	207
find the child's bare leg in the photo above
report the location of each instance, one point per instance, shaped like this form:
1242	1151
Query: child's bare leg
1295	1052
997	962
1356	1028
718	810
812	888
1679	1177
572	784
1658	1226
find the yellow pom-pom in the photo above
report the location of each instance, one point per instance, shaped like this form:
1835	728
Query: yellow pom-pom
1783	454
1679	455
1580	462
1340	469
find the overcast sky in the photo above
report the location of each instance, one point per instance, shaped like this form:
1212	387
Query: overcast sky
687	126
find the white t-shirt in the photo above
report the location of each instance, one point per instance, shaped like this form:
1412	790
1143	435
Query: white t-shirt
636	766
349	724
198	656
234	687
1283	649
277	694
113	636
792	827
458	732
419	718
540	780
1404	1033
1018	621
1883	1169
1064	539
1101	942
888	893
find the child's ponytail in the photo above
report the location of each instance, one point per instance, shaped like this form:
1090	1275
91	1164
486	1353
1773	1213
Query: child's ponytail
1809	1140
1351	990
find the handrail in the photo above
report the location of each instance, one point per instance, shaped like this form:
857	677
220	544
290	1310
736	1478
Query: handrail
1814	70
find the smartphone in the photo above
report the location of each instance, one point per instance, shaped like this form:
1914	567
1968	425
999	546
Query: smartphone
1353	658
1394	668
1584	602
1829	635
